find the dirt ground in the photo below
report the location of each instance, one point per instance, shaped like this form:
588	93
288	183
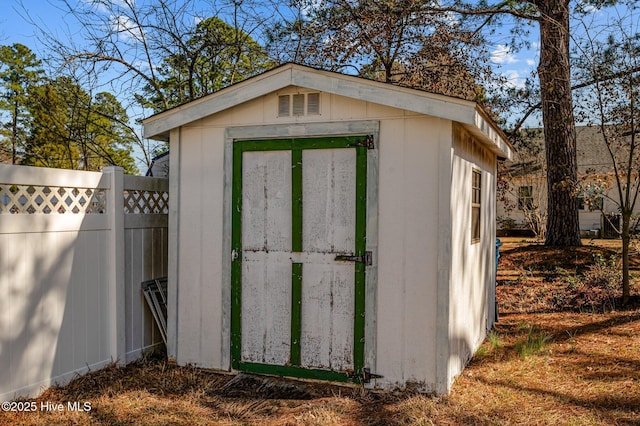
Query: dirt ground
535	278
519	253
537	367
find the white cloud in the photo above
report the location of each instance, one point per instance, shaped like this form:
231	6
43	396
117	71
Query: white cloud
123	4
106	7
502	55
531	62
126	28
514	79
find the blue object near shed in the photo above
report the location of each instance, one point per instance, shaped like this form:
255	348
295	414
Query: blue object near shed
498	245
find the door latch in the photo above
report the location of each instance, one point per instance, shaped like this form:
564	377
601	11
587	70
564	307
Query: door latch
367	258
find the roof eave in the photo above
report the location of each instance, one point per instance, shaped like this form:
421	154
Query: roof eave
458	110
158	126
490	134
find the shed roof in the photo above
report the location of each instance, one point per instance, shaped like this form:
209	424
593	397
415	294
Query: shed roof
467	113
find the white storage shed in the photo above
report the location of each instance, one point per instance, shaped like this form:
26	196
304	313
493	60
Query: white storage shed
330	227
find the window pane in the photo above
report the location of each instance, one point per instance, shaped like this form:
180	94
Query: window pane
476	199
475	223
525	197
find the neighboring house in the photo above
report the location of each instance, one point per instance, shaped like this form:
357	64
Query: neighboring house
525	199
330	227
159	166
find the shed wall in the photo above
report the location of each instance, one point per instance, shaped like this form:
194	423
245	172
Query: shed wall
408	249
407	232
200	242
472	288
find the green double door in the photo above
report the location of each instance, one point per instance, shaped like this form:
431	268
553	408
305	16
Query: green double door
299	257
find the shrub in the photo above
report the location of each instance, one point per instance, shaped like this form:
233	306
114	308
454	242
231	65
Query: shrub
595	290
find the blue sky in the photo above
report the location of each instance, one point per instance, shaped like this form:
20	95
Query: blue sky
15	27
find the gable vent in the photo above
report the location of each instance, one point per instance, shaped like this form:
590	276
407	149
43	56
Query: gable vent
313	103
283	106
299	104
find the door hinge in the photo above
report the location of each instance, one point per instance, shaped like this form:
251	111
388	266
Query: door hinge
367	258
366	143
367	375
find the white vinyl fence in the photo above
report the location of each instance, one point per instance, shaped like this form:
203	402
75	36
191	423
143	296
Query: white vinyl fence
74	249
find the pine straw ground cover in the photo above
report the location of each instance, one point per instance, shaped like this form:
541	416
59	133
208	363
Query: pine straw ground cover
540	368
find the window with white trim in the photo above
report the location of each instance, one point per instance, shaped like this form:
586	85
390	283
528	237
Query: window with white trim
476	197
525	197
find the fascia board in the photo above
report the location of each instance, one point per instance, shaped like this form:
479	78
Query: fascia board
385	94
458	110
491	135
159	125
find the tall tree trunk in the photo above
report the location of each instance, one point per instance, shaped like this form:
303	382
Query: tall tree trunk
563	227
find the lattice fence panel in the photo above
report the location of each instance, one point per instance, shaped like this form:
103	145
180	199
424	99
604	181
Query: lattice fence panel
34	199
146	202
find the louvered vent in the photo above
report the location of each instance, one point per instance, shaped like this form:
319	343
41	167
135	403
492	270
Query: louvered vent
313	103
298	104
283	106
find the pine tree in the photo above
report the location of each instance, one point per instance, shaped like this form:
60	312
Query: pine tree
19	68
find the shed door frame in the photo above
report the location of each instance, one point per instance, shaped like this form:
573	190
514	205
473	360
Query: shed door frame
296	146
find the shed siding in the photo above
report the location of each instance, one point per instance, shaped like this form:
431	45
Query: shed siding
471	292
407	256
200	247
264	110
408	188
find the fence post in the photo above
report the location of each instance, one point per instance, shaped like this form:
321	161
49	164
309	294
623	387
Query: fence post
115	209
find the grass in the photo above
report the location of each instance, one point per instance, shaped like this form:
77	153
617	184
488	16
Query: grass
539	368
589	373
534	342
494	339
